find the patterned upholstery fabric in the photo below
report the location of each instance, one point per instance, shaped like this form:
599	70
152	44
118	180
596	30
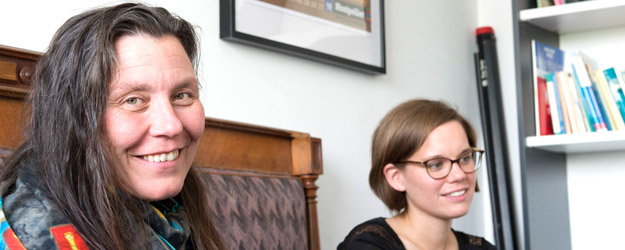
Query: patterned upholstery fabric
258	212
254	212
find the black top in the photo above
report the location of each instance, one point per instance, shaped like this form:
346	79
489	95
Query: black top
376	234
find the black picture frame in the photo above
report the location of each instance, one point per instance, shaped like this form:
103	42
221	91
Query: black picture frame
362	48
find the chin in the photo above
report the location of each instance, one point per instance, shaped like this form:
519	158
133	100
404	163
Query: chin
459	213
159	193
454	212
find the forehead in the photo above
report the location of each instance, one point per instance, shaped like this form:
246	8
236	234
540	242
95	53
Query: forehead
143	49
448	139
143	57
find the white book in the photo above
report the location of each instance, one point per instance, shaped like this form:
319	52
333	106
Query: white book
553	109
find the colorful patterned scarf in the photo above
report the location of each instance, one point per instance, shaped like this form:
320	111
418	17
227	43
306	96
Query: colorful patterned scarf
37	223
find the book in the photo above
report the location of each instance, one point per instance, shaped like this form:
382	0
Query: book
584	83
555	107
574	113
611	108
584	120
621	78
543	115
602	99
545	59
564	102
616	88
603	103
543	3
588	117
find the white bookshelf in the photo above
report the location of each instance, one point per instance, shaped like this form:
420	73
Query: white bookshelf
578	16
579	143
551	208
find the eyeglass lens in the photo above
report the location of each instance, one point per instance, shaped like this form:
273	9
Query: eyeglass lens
440	168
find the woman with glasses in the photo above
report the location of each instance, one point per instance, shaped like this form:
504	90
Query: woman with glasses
424	159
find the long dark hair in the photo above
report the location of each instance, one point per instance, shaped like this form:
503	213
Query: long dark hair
65	134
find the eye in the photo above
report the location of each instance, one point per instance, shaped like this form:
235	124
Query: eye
468	158
132	101
182	96
435	165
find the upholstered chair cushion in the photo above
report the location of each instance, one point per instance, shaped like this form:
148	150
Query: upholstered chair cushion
257	212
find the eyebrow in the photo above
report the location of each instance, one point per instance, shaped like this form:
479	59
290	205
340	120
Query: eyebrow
441	156
133	86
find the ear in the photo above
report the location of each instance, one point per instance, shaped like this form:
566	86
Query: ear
394	177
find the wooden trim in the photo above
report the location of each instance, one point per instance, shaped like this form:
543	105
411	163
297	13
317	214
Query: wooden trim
16	68
311	207
28	55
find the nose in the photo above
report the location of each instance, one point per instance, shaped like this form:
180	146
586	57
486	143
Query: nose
164	120
456	172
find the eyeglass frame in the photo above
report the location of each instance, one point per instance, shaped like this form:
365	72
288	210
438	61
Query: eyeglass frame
423	163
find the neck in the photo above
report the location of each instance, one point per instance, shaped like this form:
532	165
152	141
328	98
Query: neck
418	230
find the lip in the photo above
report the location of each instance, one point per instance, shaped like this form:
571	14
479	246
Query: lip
159	152
459	198
164	164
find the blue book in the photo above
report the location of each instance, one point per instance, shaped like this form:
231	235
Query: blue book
616	89
601	104
582	78
545	59
560	116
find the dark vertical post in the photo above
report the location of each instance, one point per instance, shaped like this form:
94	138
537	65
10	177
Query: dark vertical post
494	129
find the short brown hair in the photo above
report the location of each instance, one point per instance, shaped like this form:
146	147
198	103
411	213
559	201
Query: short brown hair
401	133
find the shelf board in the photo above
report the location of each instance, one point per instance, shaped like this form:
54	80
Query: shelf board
579	143
578	16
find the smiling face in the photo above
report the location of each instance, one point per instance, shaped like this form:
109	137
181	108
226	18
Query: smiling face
446	198
154	118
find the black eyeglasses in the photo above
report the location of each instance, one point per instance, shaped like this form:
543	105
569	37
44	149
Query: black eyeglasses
439	168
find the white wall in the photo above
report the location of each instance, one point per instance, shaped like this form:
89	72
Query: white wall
429	54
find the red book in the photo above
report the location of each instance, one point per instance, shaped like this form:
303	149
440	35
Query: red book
545	59
544	117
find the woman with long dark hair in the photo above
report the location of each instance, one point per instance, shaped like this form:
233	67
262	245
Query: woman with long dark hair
114	124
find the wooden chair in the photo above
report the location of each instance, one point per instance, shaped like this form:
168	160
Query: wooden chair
261	181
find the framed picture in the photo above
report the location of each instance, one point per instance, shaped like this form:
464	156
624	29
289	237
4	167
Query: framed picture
347	33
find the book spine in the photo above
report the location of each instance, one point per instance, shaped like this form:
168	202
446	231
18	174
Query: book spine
617	91
565	100
597	108
601	105
583	79
557	118
583	119
584	106
544	3
612	110
620	75
542	110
